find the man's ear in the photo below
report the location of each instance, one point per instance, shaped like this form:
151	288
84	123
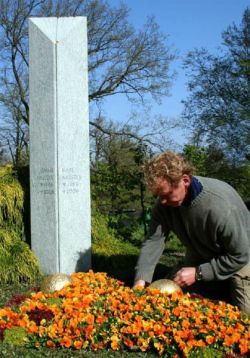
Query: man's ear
187	180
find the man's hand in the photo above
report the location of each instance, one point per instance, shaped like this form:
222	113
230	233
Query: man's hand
139	283
185	277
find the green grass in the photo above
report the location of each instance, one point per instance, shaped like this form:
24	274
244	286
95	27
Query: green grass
21	352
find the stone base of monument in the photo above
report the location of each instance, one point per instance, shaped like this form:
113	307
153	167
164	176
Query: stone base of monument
166	285
55	282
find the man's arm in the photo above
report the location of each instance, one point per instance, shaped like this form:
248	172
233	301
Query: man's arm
151	250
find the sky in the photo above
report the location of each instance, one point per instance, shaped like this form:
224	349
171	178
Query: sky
189	24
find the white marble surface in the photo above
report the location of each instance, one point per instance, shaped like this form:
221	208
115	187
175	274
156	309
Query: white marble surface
59	144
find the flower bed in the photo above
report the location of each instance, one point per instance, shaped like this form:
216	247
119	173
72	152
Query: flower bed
98	312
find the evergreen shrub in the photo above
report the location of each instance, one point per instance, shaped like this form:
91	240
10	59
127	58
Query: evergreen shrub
17	262
11	200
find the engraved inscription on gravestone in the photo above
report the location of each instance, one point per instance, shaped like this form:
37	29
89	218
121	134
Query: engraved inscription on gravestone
70	180
44	183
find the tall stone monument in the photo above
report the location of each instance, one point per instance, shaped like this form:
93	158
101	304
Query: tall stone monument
59	144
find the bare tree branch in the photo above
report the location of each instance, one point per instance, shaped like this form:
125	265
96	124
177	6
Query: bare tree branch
121	59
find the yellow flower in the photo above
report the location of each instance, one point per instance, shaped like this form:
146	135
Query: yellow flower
159	347
115	342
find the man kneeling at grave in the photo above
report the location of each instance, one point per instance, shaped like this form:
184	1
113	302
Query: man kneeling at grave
212	222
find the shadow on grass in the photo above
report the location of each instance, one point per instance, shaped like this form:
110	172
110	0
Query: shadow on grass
122	267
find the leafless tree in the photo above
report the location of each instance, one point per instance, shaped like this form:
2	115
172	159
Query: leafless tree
122	60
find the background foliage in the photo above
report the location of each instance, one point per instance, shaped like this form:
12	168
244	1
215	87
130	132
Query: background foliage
212	162
218	107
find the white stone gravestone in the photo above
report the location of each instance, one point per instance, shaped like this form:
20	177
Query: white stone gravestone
59	144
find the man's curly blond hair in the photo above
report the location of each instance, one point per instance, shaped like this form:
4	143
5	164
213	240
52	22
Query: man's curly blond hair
169	166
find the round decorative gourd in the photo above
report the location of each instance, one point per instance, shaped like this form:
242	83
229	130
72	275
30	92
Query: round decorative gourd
166	285
55	282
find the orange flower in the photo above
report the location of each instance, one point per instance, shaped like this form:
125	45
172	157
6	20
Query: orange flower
244	346
96	346
128	343
51	344
100	319
185	323
210	339
78	344
32	329
200	343
90	318
176	311
159	329
65	342
88	330
143	343
181	344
